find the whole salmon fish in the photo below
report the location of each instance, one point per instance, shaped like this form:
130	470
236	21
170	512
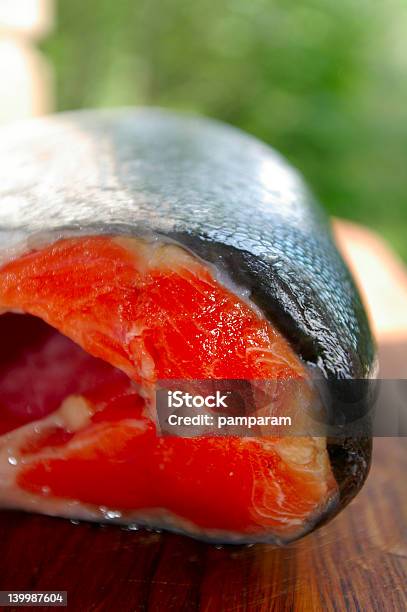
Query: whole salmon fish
138	246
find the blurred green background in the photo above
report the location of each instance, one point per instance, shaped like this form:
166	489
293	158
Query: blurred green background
323	81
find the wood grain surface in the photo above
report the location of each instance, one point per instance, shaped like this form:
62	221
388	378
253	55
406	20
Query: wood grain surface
357	562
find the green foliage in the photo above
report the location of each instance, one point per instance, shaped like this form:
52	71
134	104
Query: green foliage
321	80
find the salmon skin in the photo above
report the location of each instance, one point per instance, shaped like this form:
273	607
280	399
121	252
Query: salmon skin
130	204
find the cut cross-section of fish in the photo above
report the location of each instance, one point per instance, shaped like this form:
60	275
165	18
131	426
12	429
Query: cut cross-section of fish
106	318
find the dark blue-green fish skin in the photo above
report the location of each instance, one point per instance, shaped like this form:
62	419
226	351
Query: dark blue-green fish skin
222	194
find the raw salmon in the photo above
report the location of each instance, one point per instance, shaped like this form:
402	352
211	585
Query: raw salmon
140	247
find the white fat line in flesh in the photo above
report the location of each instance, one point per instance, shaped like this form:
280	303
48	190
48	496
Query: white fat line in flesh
267	351
318	466
261	508
141	355
286	514
73	415
158	242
